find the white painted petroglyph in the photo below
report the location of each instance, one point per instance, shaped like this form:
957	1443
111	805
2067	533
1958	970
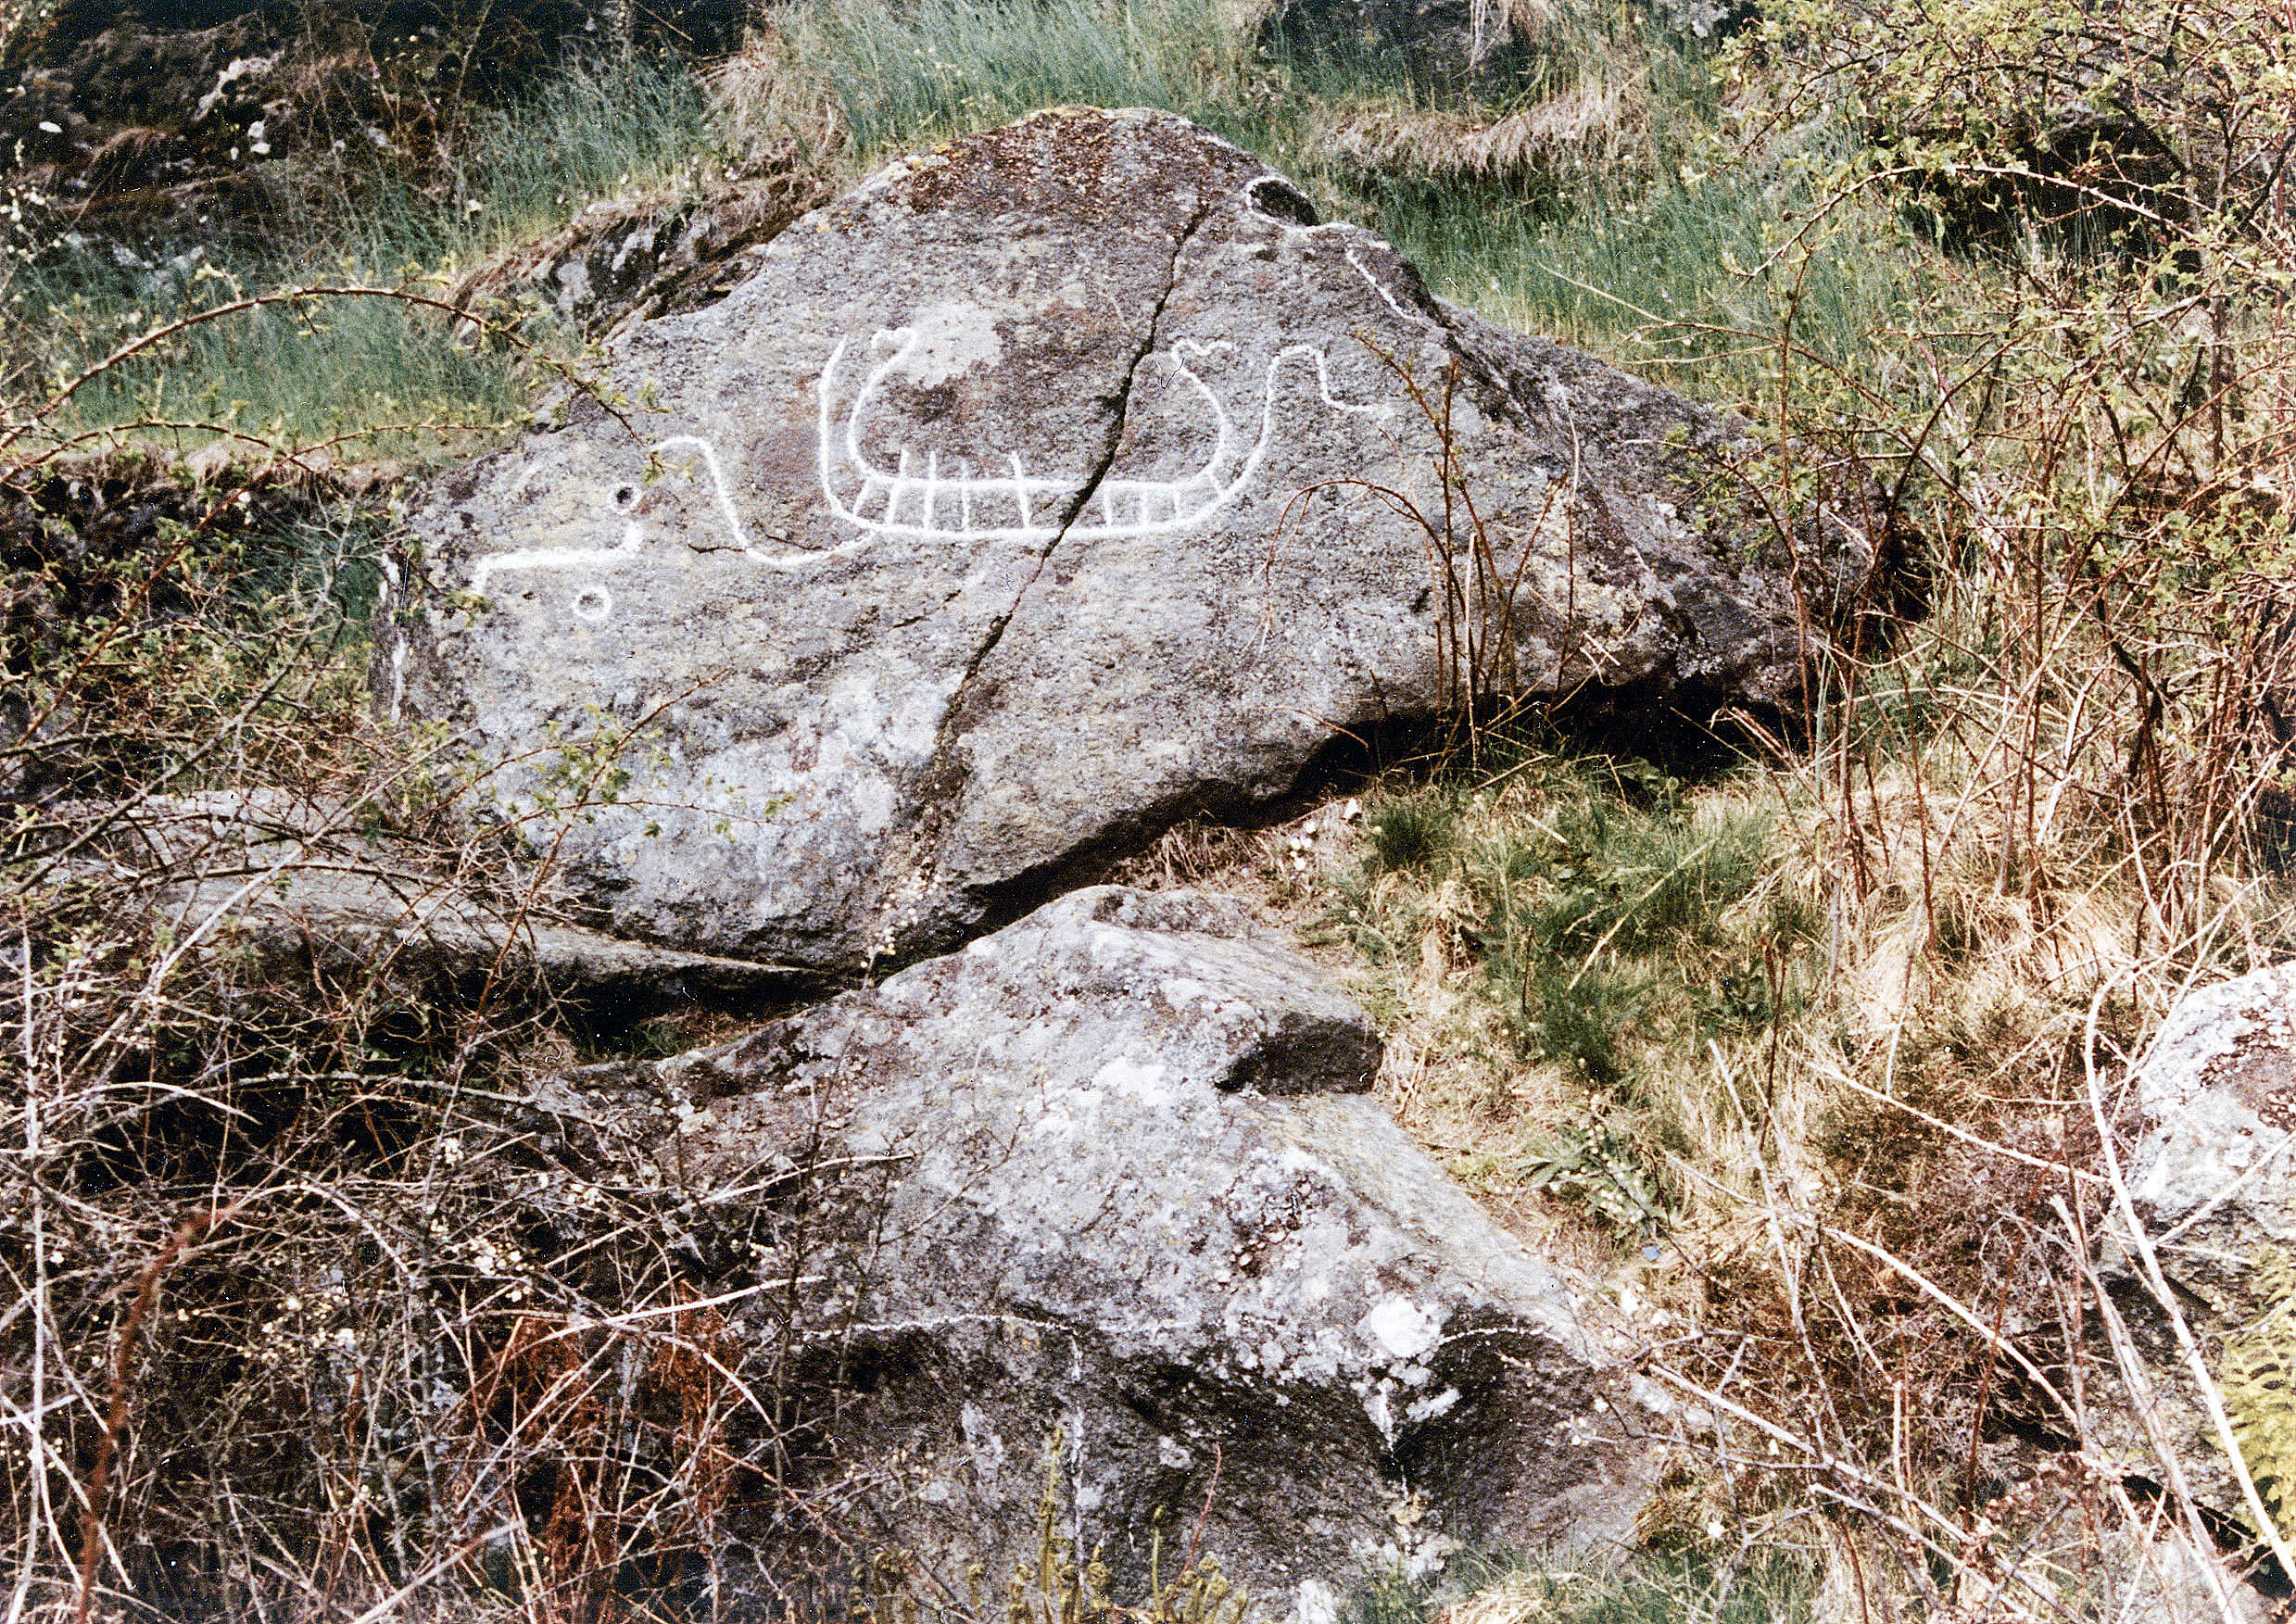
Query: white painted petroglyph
1344	228
1418	318
967	505
1402	1326
592	601
960	504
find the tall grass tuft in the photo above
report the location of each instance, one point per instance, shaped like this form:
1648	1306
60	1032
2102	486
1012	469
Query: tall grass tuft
910	75
607	127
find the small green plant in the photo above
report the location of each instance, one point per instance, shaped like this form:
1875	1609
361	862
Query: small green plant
1598	1166
1619	879
1050	1586
1666	1585
2257	1371
1619	891
1577	1013
1412	831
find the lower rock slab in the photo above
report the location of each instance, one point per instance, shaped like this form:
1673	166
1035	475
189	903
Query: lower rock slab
1114	1175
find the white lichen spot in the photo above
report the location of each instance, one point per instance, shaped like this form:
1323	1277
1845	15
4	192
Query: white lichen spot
1402	1326
1180	991
1144	1083
1427	1409
1316	1604
982	1439
1058	1120
1295	1160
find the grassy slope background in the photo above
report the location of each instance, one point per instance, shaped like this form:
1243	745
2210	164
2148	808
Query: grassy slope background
1779	1042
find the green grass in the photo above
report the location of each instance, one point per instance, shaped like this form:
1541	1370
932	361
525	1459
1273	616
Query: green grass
1609	924
603	129
1655	261
1603	916
904	75
1655	1587
380	372
385	374
1674	280
1412	831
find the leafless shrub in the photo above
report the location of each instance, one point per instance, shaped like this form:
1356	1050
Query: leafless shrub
307	1311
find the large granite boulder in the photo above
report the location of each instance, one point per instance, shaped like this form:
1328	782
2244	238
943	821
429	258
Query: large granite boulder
1054	485
1113	1173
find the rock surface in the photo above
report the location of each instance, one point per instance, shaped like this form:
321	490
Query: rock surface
2213	1183
1114	1171
631	260
2217	1094
298	888
1048	488
1485	48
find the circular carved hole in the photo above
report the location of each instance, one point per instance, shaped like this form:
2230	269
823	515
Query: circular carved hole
1282	201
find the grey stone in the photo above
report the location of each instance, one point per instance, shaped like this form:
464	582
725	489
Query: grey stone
368	924
2217	1098
1052	486
2211	1179
1114	1171
633	259
295	886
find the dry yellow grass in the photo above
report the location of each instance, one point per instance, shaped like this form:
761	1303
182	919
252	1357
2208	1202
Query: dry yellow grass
1601	122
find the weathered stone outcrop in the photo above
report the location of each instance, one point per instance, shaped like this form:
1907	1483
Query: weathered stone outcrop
2212	1182
300	890
638	259
2216	1096
1114	1171
1052	486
